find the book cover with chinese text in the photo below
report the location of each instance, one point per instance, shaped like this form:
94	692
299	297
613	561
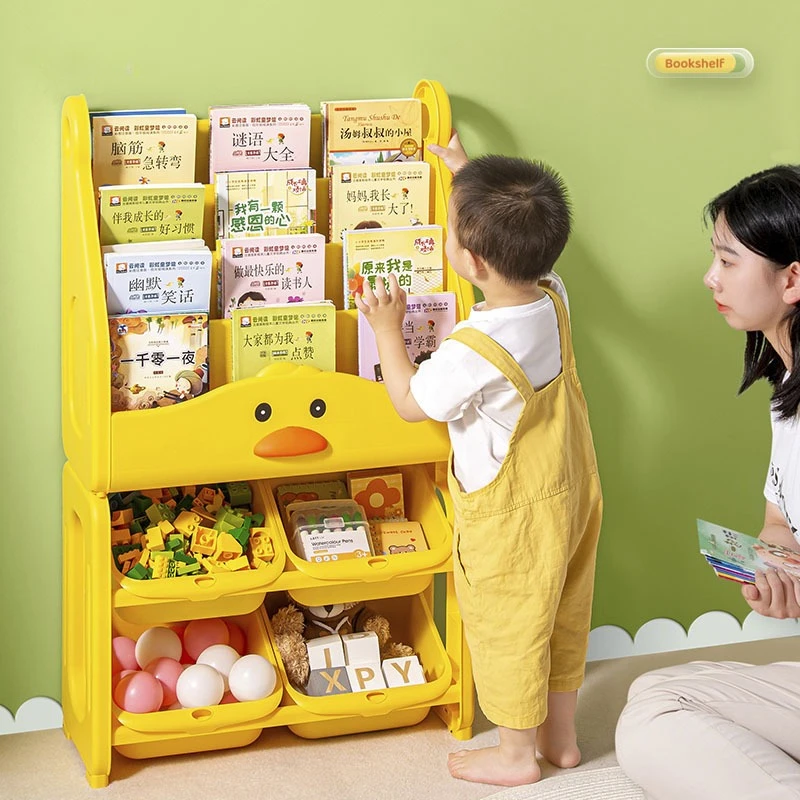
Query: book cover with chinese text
274	269
371	131
159	281
266	203
395	195
300	333
256	137
151	212
143	148
157	359
414	254
429	319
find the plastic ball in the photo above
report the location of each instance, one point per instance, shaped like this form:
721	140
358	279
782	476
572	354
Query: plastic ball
157	643
199	685
167	671
252	677
238	641
123	654
220	656
117	677
202	633
139	692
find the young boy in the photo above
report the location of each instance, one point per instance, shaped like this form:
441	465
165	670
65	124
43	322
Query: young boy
523	475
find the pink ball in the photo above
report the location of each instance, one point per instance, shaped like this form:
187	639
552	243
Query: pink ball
123	654
139	693
238	641
117	677
167	670
202	633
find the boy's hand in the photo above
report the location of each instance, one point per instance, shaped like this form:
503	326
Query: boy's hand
384	309
454	155
775	594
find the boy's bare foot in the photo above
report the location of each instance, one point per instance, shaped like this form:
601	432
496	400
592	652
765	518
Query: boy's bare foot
563	755
491	765
556	740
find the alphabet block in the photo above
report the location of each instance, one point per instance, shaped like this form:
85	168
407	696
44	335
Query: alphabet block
365	677
325	652
326	682
405	671
362	648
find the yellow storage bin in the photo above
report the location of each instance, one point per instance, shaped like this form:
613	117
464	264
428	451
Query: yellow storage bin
142	735
201	595
411	623
314	583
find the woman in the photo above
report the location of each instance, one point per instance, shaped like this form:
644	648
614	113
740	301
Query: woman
731	730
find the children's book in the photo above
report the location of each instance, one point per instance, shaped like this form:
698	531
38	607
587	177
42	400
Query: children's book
256	137
146	247
414	254
379	196
266	203
737	556
143	148
157	359
299	333
273	269
151	213
371	131
158	281
429	318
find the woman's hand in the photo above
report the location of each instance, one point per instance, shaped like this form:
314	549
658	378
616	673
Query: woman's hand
775	594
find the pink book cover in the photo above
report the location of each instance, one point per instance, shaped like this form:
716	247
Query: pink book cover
273	269
429	319
254	137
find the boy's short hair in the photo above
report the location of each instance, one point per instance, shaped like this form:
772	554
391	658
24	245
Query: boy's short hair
513	213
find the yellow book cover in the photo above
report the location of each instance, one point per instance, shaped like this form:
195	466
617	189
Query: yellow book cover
143	148
157	359
379	196
414	254
266	203
151	212
371	131
300	333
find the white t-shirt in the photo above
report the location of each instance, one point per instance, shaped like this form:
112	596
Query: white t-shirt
783	479
459	387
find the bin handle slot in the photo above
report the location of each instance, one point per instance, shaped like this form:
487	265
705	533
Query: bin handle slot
376	697
378	563
201	713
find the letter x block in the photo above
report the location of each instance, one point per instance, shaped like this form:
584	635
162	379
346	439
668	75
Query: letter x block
327	682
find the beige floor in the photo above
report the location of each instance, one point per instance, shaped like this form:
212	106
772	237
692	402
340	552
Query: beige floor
390	765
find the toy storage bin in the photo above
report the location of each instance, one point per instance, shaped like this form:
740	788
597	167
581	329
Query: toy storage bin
365	578
144	735
201	595
411	622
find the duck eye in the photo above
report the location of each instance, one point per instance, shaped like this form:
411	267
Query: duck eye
263	412
317	408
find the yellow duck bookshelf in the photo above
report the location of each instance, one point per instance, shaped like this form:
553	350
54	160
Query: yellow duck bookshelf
213	439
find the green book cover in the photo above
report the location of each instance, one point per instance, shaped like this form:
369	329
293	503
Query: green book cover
299	333
151	212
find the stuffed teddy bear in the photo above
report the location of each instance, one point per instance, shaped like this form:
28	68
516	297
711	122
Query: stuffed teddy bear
294	624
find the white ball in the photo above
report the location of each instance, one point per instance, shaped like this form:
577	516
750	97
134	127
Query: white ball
199	685
157	643
220	656
252	678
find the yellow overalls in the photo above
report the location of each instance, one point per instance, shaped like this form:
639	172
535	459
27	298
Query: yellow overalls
524	545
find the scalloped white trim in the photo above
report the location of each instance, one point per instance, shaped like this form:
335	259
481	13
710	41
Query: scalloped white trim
607	641
665	635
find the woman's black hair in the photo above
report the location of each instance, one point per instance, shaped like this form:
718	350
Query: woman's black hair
763	212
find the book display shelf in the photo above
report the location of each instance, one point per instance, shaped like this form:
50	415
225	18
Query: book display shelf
212	439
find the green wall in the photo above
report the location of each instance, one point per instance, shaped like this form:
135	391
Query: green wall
563	81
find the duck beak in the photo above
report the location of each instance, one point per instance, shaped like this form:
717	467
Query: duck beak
291	441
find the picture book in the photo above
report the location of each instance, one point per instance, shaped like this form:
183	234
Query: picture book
299	333
415	254
273	269
737	556
256	137
371	131
143	148
429	318
151	213
145	247
379	196
266	203
390	538
157	359
158	281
